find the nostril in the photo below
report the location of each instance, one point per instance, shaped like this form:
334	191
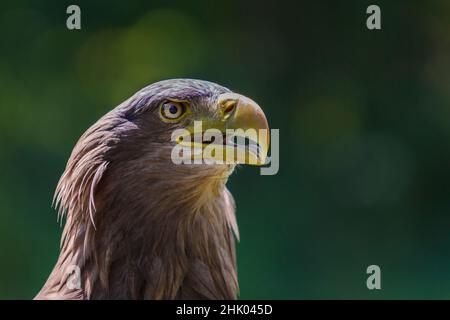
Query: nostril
229	107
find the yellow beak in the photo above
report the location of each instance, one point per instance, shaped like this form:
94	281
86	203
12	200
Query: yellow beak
246	119
242	130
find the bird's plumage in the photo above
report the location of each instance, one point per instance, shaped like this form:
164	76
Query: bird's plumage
137	225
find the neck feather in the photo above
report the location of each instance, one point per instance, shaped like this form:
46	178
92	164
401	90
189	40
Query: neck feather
161	241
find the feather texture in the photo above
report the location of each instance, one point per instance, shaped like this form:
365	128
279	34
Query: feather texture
137	226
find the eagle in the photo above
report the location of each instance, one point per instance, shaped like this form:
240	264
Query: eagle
138	225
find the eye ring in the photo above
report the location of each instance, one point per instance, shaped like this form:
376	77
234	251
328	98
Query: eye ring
172	111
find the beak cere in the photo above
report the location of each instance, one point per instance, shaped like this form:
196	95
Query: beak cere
241	134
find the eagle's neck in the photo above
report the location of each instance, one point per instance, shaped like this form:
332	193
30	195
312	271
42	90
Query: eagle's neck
160	242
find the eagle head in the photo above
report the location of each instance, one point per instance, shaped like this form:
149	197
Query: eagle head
140	224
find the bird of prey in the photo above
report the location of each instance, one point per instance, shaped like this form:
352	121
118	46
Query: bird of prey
138	225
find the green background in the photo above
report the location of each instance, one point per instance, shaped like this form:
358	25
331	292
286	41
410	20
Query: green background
364	119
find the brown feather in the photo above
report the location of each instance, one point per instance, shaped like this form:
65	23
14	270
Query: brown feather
138	226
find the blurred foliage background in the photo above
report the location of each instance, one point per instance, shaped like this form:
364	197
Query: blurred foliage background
364	119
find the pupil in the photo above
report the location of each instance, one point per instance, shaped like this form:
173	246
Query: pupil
173	109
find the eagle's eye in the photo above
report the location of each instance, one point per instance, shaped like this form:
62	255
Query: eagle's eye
171	111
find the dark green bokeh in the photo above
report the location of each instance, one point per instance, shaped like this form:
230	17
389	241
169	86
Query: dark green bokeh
364	119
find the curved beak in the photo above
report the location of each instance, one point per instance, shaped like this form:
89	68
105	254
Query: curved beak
240	133
247	128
